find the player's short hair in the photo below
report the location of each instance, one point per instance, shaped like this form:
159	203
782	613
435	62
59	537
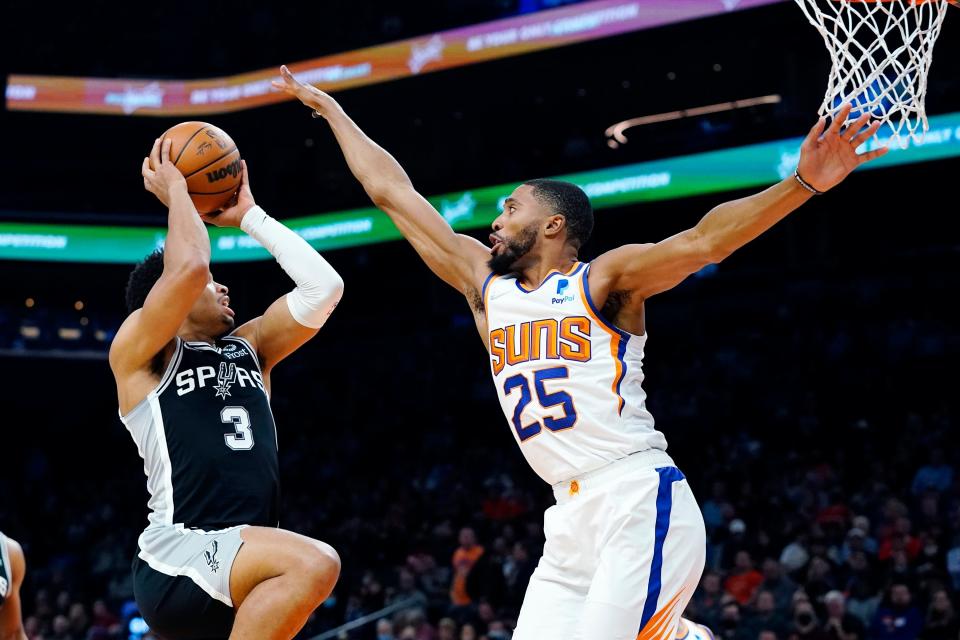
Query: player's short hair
142	279
571	202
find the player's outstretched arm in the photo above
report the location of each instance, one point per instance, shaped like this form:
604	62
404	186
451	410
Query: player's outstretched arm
11	620
186	268
296	317
827	156
457	259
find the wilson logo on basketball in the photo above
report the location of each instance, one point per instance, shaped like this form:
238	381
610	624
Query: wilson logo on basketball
232	170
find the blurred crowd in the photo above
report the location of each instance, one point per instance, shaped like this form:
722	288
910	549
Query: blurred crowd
818	444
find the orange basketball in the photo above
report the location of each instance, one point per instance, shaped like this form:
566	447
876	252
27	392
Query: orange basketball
210	161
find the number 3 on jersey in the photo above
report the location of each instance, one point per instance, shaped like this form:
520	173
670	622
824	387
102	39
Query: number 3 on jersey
242	438
547	400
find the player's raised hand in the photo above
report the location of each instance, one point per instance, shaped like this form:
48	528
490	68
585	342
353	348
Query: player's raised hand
238	206
305	93
828	156
160	175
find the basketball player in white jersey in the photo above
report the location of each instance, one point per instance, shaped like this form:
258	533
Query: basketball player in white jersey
625	542
194	392
13	567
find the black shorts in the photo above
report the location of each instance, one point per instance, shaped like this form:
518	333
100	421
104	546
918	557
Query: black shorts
176	608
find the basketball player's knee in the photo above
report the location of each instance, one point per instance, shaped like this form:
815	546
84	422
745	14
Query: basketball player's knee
320	568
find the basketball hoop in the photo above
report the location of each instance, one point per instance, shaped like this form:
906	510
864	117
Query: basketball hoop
881	52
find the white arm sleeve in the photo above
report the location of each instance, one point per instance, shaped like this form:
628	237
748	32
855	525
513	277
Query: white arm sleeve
319	286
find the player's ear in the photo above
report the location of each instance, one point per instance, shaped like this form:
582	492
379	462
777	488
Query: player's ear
554	225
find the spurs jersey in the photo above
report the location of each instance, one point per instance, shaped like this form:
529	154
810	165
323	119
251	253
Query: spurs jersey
570	383
208	441
6	570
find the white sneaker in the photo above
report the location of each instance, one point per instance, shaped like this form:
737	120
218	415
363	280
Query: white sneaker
697	631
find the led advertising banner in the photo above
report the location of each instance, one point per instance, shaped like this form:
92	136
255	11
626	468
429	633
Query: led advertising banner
743	167
382	63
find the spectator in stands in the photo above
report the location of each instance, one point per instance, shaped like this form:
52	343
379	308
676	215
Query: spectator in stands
936	474
806	626
517	569
730	624
446	629
819	579
763	615
899	539
744	580
497	630
795	555
777	583
716	509
862	523
384	629
707	602
941	622
840	624
464	559
735	542
898	618
407	590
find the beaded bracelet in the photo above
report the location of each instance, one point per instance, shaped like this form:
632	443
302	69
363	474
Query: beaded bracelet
806	185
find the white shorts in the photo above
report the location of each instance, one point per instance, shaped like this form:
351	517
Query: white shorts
625	548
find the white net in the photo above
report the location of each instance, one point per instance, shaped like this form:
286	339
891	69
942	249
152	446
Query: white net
881	52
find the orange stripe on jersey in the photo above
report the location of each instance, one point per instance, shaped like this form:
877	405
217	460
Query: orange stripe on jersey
615	344
659	627
486	296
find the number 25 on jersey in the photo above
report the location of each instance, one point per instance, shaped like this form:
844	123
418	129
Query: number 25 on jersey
520	383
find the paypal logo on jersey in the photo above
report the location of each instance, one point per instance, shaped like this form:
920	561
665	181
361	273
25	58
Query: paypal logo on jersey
560	298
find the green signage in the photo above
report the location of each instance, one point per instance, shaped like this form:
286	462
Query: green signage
716	171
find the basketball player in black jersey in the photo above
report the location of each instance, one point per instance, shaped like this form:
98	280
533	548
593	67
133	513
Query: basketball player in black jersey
194	393
12	569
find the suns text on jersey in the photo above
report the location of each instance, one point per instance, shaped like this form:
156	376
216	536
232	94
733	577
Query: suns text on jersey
551	339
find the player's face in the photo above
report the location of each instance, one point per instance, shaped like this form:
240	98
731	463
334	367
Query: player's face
516	230
212	309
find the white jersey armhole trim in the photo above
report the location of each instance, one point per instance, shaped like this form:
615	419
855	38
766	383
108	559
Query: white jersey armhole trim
161	436
5	555
200	346
164	380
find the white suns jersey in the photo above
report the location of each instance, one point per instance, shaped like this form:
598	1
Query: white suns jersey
570	383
